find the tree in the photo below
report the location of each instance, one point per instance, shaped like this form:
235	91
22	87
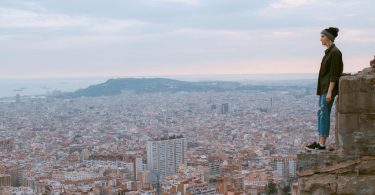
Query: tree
271	188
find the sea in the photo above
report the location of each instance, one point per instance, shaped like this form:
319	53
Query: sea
32	87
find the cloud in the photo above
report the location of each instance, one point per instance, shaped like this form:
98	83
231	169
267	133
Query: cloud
291	3
28	5
115	26
185	2
54	30
284	34
16	18
352	35
244	35
227	34
4	37
172	36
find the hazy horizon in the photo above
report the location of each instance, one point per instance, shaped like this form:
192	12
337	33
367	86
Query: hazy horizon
43	86
191	76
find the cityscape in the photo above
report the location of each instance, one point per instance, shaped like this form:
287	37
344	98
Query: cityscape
196	142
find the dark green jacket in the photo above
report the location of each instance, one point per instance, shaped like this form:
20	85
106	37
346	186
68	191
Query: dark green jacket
331	70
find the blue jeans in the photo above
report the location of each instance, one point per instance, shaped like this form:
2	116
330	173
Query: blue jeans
324	114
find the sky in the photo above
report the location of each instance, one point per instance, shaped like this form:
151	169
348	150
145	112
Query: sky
91	38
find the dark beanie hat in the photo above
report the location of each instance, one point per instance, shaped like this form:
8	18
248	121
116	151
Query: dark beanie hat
331	32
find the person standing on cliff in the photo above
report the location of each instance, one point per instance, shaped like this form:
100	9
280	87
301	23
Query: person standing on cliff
330	71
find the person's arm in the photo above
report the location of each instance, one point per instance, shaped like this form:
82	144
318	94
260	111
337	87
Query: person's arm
329	93
334	73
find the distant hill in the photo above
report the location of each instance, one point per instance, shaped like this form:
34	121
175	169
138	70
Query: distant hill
151	85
